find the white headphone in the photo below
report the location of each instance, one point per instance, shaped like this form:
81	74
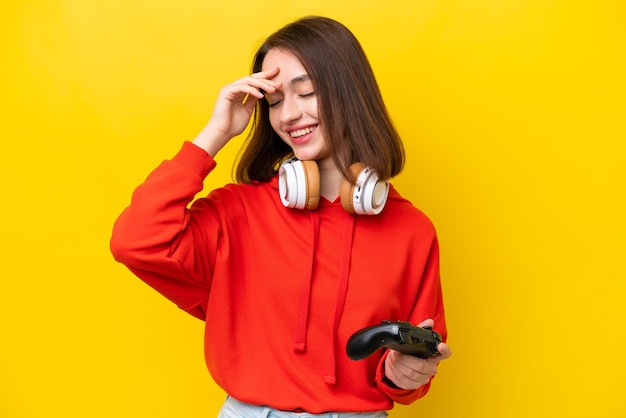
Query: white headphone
299	188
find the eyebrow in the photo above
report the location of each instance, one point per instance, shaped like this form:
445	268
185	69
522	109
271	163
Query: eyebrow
299	79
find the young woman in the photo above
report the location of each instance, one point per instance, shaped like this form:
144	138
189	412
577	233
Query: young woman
310	245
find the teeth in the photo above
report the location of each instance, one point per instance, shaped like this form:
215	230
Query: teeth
302	132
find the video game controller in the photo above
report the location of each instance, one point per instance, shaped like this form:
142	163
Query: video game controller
400	336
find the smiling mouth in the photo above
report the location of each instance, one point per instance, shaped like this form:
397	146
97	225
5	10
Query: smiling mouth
301	132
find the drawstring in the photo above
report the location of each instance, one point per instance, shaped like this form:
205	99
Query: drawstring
344	273
305	296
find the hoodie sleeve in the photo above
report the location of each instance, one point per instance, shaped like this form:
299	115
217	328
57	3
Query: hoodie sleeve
429	304
157	238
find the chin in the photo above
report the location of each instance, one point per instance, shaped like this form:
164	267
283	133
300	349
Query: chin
310	155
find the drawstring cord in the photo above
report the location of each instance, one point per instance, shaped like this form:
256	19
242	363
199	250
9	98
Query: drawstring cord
344	274
305	296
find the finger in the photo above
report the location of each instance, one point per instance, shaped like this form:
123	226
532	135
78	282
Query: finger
392	370
258	87
269	73
261	80
409	371
427	323
412	364
444	351
266	77
239	90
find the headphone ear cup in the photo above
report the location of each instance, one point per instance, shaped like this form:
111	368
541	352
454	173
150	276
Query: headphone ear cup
312	176
368	194
347	189
299	184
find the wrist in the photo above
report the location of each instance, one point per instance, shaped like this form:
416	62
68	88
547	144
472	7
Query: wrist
211	140
389	383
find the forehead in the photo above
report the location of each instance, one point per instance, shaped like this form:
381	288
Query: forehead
290	66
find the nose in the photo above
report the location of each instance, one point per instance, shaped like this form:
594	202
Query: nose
290	110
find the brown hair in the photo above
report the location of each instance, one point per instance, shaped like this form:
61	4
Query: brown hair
352	113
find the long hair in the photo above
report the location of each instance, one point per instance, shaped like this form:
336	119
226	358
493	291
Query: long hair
352	113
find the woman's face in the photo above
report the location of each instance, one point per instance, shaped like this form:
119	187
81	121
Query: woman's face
294	108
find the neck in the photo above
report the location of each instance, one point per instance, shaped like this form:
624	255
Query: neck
330	182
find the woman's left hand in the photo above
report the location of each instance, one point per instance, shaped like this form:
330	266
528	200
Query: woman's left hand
410	372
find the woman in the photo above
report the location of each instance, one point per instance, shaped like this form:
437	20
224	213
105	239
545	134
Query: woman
286	264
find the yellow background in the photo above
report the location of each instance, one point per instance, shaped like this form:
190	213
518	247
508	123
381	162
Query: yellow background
513	118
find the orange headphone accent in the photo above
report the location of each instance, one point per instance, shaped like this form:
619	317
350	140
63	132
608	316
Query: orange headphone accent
299	188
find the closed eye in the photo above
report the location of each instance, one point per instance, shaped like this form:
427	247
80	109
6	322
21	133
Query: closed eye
272	104
279	101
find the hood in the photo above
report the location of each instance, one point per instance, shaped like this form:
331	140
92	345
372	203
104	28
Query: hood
343	274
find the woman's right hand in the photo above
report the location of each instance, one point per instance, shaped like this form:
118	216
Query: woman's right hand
233	109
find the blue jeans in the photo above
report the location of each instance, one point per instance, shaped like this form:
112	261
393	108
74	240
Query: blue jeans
233	408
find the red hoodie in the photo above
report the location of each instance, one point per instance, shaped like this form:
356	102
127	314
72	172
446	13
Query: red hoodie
281	290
